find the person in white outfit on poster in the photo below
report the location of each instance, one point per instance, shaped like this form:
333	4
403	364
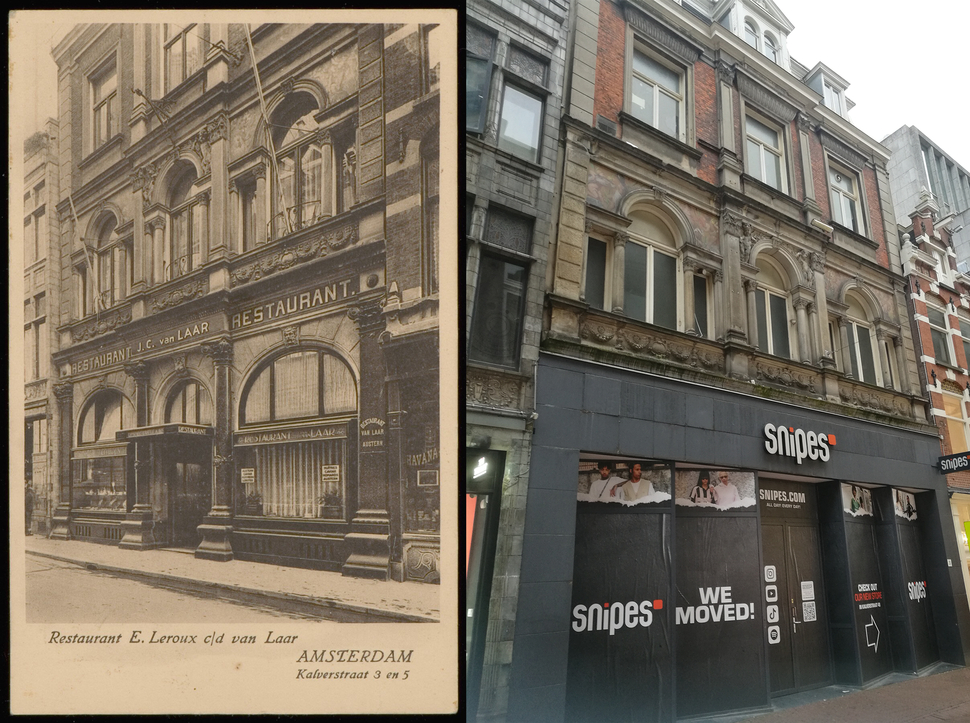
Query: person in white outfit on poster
725	494
634	488
599	489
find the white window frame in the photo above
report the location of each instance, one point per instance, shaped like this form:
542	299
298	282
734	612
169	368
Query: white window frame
833	97
962	420
947	334
750	24
770	291
856	351
639	46
678	291
780	152
523	90
769	39
95	80
965	338
833	167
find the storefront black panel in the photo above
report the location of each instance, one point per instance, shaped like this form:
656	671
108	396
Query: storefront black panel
720	646
845	655
918	597
887	539
618	670
871	621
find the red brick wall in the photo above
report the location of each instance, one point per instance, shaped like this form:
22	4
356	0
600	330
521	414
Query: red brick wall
610	54
705	118
818	175
796	153
875	215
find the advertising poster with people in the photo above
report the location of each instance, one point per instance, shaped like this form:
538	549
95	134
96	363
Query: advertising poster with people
715	489
856	500
904	504
623	481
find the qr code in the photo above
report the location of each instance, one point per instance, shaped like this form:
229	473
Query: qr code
808	612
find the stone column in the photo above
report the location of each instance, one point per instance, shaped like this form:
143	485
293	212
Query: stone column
234	222
881	338
203	242
719	329
619	269
260	203
368	543
751	286
156	227
689	326
216	527
901	364
815	330
801	329
846	349
218	134
61	524
139	523
733	230
396	479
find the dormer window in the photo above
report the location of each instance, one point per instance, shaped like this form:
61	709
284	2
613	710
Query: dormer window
771	48
751	35
833	97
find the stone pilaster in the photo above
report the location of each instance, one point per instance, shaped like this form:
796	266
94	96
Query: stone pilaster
61	523
139	523
216	527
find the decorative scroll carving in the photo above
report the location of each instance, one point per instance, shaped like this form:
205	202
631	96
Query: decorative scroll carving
181	365
725	72
96	327
661	35
369	317
860	397
316	247
492	389
597	331
35	390
137	370
220	350
733	223
817	261
785	376
218	460
179	295
422	561
669	349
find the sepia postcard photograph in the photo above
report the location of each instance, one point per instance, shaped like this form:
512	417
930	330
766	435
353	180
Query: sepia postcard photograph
237	383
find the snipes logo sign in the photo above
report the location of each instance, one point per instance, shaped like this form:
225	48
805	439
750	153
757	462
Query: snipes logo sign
797	443
614	616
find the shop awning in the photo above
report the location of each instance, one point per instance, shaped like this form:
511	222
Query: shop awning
164	430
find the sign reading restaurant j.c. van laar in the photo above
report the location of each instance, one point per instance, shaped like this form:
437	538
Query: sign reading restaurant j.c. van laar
319	296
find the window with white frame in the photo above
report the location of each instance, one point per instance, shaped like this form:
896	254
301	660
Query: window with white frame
480	48
940	333
772	307
765	149
772	49
955	418
862	350
520	123
184	48
751	34
657	94
845	199
965	333
651	287
104	103
833	97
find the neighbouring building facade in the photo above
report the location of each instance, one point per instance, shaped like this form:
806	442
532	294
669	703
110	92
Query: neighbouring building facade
940	311
514	60
41	270
733	493
918	164
248	361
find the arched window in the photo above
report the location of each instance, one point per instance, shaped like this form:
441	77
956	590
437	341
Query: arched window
188	221
773	309
189	403
306	167
99	481
863	351
298	471
771	48
751	34
113	259
650	278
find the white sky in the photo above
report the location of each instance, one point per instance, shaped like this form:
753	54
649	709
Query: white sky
907	63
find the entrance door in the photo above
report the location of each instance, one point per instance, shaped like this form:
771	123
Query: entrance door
798	655
189	473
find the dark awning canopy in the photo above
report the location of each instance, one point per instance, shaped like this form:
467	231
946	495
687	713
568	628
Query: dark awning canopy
164	430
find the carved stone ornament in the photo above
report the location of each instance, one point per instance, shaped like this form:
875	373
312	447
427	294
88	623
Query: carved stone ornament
291	335
661	35
177	296
102	381
597	331
64	392
368	316
817	261
286	87
760	96
841	149
220	350
317	246
181	365
137	370
143	179
732	223
860	397
492	389
725	72
104	324
804	122
670	350
785	376
218	460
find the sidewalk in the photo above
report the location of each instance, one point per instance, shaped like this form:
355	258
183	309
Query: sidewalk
944	696
313	593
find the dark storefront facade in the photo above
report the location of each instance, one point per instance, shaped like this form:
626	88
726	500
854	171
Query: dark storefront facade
769	549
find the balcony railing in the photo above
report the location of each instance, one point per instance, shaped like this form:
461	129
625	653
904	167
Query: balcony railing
300	216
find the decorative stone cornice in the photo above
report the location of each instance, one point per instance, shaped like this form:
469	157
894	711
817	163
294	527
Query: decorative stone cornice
841	149
97	326
220	350
175	297
762	97
785	376
137	370
661	35
316	247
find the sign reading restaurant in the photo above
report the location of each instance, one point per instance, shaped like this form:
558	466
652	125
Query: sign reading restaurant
319	296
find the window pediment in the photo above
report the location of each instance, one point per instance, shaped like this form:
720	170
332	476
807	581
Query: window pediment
661	35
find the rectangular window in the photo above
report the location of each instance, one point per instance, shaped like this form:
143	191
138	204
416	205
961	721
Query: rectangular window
844	196
478	77
29	241
965	333
939	333
832	97
39	250
865	353
99	484
700	305
184	52
596	273
955	423
496	329
301	480
104	87
772	311
650	285
765	153
656	94
520	123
